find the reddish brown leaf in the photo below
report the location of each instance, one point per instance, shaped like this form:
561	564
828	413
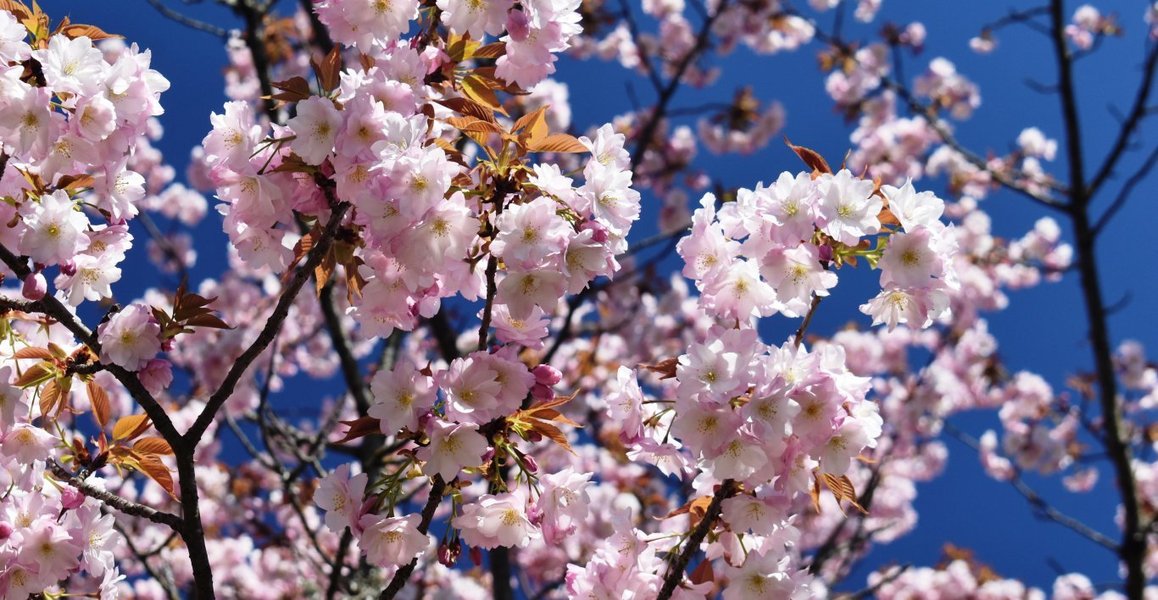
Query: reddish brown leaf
702	573
695	509
535	123
842	489
90	31
99	399
35	375
33	352
492	50
468	107
810	157
666	368
478	89
127	428
208	320
360	427
152	466
557	142
324	271
50	398
18	9
75	182
152	445
468	124
331	70
552	433
294	89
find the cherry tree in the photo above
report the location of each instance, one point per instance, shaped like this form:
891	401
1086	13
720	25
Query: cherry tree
522	397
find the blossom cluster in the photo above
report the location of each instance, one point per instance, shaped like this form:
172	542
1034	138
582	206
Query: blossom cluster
770	251
67	133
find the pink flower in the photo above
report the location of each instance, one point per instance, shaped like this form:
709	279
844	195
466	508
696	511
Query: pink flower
27	443
401	396
452	446
496	520
391	541
341	497
130	338
315	128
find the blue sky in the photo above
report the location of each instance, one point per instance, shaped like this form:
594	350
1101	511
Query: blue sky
1043	330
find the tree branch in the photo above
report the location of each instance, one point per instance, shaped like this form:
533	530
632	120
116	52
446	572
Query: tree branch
1127	189
675	573
272	325
128	507
1133	119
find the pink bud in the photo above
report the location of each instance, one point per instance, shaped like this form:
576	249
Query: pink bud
5	530
547	375
542	392
70	498
35	286
530	465
826	253
68	268
598	232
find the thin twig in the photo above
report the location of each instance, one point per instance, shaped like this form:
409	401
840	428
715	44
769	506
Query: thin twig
1127	189
188	21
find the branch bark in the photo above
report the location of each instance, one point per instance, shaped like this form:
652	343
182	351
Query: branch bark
675	574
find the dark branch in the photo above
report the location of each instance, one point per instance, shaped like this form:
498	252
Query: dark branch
114	501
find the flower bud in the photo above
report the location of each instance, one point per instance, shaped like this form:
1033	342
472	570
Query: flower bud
542	392
70	498
598	232
547	375
68	268
5	530
35	286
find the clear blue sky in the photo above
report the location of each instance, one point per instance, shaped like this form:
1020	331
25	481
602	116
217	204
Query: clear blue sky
1043	330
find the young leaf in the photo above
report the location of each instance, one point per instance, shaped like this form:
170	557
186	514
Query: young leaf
294	89
33	352
329	70
130	427
491	50
557	142
50	398
468	107
90	31
35	375
152	445
152	466
360	427
477	89
842	489
99	399
810	157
